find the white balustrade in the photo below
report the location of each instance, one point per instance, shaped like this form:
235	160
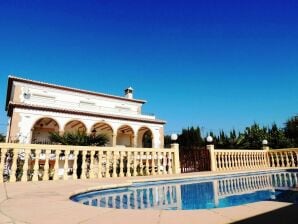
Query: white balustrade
236	159
55	162
283	158
239	159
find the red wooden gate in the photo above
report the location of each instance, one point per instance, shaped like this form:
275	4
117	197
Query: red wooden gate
194	159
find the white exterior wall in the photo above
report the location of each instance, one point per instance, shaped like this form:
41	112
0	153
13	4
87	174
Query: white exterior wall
29	118
62	99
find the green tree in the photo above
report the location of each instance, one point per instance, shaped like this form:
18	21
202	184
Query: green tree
291	130
2	138
253	137
167	141
222	141
191	137
277	138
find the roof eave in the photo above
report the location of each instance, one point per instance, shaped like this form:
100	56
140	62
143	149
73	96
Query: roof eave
12	78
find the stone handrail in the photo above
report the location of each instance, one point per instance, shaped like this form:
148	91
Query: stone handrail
283	157
25	162
242	159
239	159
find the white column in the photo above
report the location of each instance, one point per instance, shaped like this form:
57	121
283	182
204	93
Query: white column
212	157
176	158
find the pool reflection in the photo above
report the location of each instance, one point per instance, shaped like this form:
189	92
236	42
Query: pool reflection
194	194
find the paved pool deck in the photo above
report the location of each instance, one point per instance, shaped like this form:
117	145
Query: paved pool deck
48	202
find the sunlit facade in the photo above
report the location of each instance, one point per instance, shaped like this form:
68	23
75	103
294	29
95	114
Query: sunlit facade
35	109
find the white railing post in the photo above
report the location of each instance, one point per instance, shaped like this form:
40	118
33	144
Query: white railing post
176	159
210	147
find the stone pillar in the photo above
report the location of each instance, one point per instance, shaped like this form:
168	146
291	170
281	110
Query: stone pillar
114	143
176	158
212	157
267	156
134	141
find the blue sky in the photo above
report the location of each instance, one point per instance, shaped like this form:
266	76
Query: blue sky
214	64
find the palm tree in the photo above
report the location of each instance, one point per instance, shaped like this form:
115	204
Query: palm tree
79	138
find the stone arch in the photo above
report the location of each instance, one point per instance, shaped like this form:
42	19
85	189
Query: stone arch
125	136
41	130
103	128
74	126
145	137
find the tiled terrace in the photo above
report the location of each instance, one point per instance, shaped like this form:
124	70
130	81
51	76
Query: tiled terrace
48	202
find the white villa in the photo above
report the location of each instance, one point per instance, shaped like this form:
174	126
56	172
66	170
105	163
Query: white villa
36	108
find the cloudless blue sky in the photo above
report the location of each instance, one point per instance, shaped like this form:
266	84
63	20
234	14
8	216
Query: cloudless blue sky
218	64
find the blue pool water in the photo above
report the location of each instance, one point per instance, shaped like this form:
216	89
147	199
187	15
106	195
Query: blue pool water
199	193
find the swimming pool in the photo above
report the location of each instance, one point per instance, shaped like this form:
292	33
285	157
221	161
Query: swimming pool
198	193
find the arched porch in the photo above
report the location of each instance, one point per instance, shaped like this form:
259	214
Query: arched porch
125	136
41	130
145	138
105	129
75	126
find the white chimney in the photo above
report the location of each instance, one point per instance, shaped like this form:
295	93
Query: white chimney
129	93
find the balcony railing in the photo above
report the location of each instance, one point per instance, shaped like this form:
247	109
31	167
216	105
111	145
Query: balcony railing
32	162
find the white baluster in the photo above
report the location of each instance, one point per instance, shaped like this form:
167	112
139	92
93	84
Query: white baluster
25	167
75	165
121	173
46	166
36	165
99	168
128	174
115	155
